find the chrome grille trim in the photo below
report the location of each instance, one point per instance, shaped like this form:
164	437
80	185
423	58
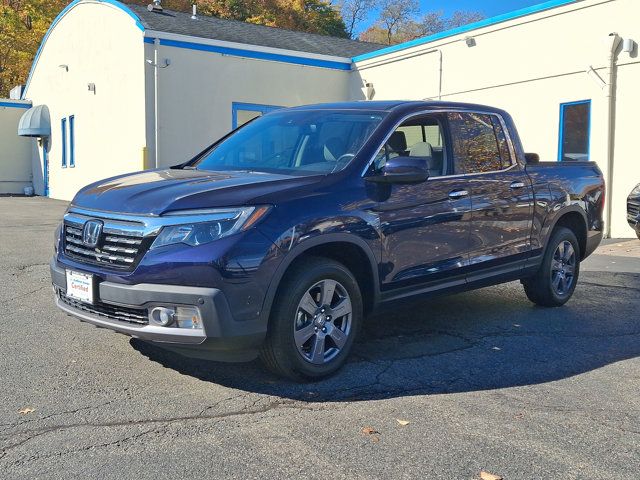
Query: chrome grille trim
128	241
121	245
99	256
633	210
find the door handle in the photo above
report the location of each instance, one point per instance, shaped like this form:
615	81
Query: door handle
516	185
455	194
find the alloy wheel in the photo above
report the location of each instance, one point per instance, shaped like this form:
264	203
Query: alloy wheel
323	322
563	267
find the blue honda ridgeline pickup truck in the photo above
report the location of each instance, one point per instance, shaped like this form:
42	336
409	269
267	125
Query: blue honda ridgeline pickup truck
280	238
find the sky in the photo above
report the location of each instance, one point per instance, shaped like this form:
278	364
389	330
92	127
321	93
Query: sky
489	8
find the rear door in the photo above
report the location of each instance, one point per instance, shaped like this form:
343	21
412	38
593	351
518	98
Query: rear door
501	194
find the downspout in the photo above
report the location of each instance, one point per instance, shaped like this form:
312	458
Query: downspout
613	42
156	46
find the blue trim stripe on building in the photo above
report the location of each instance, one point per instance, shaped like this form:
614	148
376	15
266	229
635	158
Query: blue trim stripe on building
15	105
241	52
563	107
523	12
66	10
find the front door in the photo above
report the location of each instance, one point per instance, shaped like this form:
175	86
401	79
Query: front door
425	227
501	194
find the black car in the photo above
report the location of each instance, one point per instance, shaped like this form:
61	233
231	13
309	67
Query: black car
633	209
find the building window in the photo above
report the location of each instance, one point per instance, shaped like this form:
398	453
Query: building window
63	132
242	113
72	141
575	125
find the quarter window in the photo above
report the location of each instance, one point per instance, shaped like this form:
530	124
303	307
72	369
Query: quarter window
574	131
479	143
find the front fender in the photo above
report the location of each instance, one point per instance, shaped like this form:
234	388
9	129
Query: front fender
302	244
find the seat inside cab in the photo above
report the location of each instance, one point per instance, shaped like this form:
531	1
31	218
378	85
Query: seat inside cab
420	138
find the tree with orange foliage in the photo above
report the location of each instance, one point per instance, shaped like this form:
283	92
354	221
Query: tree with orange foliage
22	25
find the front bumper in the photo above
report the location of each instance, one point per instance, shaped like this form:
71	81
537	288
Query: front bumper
222	338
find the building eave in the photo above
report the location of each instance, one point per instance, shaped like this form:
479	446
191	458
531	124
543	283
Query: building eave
256	52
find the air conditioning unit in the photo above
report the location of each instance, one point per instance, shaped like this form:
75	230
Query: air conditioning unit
156	6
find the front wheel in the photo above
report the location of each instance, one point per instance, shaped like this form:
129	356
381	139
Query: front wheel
314	321
555	281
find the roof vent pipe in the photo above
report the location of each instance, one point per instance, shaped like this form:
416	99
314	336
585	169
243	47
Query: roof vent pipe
194	15
156	6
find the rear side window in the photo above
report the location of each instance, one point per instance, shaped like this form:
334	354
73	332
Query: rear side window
479	143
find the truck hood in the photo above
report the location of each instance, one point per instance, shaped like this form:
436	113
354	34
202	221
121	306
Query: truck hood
158	191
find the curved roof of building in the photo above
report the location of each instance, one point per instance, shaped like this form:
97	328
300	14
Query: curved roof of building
248	33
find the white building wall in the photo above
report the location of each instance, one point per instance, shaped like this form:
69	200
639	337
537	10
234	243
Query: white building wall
15	152
529	66
197	89
102	45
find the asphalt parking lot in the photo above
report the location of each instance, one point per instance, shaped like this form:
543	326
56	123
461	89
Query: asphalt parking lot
485	380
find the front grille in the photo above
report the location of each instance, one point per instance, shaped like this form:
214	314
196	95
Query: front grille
113	312
116	248
633	210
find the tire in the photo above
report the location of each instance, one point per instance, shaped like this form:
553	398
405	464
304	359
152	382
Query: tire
308	339
555	281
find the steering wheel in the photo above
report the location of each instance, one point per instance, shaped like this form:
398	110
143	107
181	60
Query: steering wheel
279	158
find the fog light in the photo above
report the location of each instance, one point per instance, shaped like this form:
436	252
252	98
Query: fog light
162	316
188	317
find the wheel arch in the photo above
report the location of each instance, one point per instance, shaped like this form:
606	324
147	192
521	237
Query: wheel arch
575	220
353	252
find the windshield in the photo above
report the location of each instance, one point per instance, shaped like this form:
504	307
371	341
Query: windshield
296	142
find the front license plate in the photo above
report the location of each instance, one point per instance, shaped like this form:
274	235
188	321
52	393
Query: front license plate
80	286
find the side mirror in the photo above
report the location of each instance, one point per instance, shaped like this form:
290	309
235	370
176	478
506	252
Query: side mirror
532	158
402	170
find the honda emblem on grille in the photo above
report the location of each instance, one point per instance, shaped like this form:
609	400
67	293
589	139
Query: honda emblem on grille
91	233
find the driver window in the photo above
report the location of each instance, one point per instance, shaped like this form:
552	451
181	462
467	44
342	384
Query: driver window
419	137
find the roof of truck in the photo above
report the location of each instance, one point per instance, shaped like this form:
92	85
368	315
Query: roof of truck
392	105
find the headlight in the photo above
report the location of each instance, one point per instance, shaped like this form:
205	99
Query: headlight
215	224
636	190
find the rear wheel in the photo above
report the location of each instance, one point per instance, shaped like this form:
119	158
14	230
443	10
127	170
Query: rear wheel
555	281
314	321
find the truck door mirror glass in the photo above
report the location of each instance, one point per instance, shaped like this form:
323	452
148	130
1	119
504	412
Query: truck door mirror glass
402	169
